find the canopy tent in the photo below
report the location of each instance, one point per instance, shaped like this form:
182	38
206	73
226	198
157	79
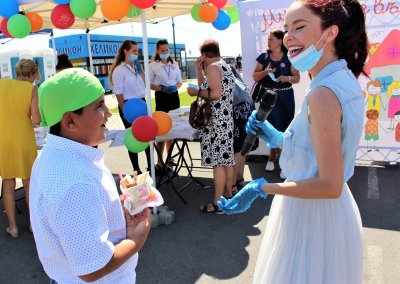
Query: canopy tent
162	10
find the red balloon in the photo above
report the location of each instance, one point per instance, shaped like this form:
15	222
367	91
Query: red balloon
4	29
218	3
144	128
62	17
144	4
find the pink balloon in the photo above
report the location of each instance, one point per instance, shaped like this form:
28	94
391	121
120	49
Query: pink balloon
144	4
62	17
219	3
144	128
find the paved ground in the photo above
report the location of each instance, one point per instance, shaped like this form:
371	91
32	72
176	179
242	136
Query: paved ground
205	248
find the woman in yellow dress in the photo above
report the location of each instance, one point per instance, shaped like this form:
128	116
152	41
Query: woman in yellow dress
18	109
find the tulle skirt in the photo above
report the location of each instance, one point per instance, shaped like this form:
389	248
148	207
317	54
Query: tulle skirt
312	241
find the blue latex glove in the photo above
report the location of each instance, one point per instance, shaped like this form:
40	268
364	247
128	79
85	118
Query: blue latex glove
169	89
138	66
244	198
264	130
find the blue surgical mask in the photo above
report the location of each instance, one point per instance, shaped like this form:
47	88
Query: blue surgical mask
164	56
308	58
133	57
272	76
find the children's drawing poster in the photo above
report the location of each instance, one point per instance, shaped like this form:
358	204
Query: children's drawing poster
380	140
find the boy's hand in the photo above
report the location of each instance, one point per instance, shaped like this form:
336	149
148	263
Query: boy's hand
138	226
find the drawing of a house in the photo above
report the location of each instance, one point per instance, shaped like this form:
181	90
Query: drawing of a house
384	66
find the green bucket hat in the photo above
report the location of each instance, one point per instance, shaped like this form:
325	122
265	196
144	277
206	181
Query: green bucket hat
69	90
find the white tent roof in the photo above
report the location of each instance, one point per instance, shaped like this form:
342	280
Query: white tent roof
162	10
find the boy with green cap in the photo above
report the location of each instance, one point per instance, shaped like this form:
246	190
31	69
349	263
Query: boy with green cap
81	231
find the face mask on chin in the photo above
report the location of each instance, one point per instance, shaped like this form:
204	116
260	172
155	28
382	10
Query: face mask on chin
308	58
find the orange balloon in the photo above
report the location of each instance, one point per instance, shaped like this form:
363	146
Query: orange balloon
36	21
115	9
164	122
208	12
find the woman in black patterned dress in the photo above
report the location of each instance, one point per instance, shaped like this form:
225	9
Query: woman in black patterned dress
216	139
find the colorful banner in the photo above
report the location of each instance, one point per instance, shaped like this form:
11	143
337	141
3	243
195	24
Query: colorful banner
381	134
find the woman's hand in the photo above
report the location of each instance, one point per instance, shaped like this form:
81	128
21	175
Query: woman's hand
200	63
192	91
269	69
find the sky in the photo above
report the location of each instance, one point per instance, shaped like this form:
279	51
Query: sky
187	31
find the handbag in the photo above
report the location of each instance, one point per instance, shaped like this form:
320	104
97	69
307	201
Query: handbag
258	91
200	112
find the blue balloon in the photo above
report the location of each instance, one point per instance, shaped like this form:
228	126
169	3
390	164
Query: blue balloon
223	21
9	8
62	2
133	108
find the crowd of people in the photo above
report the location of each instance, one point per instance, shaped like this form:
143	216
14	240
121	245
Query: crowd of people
81	230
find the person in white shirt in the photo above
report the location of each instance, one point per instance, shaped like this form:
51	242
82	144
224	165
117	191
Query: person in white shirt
127	79
81	231
165	79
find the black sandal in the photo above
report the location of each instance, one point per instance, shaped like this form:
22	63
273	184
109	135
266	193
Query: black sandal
216	210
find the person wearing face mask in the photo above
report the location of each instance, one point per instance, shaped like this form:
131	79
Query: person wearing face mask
275	71
314	230
18	110
165	80
127	78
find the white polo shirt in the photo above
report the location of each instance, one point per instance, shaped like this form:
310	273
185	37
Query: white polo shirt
165	74
76	214
128	82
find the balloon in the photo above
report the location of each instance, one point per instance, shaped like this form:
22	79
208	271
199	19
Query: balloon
8	8
62	2
18	26
144	128
195	12
62	17
133	108
35	20
234	14
134	12
83	9
223	21
208	12
218	3
144	4
115	11
3	27
132	144
164	122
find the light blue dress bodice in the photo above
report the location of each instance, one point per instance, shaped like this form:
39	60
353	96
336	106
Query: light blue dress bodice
298	159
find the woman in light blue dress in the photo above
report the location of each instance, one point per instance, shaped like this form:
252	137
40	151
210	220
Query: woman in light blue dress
314	232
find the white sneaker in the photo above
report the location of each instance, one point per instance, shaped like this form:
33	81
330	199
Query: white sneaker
270	166
282	175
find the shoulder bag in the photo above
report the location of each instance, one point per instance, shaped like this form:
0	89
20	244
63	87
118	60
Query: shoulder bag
200	112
